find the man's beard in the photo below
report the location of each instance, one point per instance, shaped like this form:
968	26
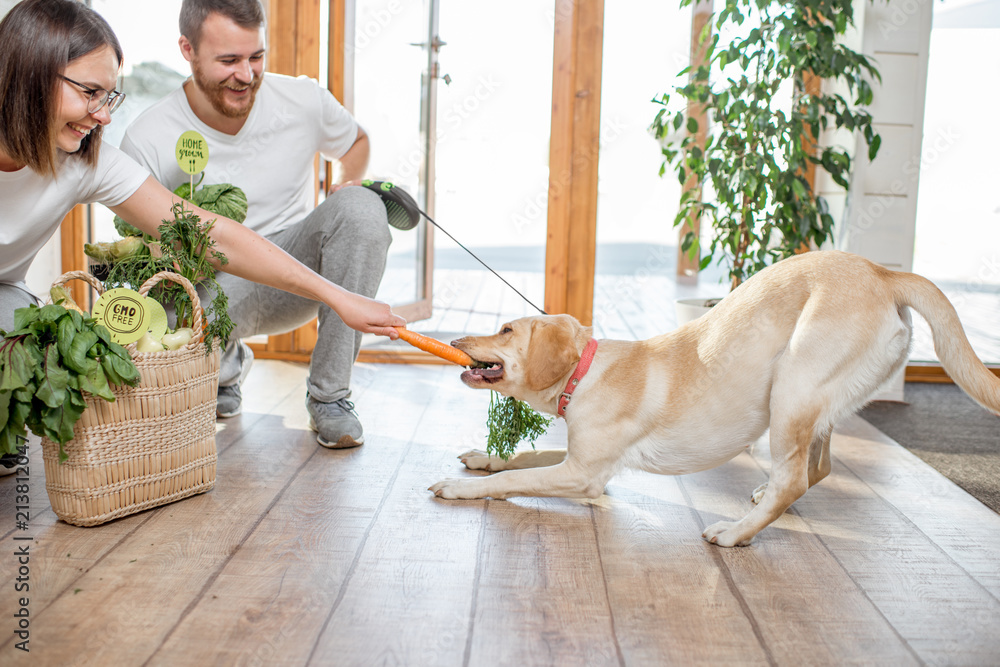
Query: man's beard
215	92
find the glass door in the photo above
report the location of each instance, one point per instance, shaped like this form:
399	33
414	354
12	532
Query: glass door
395	51
958	213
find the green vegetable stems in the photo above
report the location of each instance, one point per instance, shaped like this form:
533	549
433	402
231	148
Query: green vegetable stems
509	422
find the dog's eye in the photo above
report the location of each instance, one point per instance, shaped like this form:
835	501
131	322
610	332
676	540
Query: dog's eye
506	330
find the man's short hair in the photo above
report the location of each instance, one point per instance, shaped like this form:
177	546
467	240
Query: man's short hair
244	13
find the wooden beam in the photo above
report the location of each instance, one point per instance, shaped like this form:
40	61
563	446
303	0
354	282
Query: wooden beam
72	236
812	85
701	22
281	34
293	35
573	157
307	27
934	373
336	77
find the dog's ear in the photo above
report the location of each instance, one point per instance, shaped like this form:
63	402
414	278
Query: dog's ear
552	353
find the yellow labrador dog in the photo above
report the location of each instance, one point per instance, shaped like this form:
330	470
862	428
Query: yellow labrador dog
794	349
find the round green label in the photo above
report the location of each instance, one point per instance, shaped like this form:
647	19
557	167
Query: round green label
157	318
192	152
124	313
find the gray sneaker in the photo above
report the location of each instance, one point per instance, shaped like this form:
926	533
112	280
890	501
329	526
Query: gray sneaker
336	423
12	460
229	402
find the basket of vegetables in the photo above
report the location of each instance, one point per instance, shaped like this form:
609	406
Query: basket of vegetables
154	443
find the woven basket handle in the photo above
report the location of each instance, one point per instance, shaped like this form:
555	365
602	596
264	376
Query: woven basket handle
199	333
79	275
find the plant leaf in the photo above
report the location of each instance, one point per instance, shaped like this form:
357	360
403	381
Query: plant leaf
77	359
119	371
96	382
52	390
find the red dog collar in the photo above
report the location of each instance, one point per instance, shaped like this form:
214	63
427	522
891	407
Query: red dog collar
581	369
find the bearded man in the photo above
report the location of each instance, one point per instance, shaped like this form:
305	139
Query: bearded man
263	131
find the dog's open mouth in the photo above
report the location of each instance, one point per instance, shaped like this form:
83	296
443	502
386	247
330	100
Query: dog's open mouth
483	371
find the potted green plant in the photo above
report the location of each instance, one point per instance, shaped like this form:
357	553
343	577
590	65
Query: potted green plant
748	172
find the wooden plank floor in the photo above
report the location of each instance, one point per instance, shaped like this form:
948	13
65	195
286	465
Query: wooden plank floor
305	556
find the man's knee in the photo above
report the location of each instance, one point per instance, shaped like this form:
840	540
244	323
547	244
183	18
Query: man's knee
363	214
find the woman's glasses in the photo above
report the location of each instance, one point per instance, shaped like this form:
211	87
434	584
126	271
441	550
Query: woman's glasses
99	97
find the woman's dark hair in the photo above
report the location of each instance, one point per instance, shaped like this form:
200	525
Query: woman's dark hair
38	39
244	13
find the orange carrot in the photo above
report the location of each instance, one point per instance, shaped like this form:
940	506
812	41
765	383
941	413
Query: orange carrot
435	347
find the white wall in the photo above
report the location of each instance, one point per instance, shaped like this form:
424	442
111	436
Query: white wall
880	215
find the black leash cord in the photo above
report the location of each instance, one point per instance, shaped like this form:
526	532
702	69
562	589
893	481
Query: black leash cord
528	301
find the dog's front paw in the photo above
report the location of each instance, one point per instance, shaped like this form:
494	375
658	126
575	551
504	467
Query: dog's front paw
758	494
724	534
476	459
455	489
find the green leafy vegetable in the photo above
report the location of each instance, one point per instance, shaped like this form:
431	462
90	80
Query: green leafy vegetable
108	252
186	248
509	422
124	229
222	199
47	362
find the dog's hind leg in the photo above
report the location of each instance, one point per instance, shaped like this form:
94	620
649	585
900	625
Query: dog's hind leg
790	478
819	459
819	465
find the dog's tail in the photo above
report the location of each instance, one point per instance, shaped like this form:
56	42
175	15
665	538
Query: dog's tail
950	343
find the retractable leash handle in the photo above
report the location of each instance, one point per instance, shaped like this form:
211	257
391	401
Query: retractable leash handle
399	205
404	214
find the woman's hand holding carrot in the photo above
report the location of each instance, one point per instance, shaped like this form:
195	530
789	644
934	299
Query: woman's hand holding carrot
359	312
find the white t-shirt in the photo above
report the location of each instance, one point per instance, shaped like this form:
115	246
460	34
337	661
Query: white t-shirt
270	158
32	205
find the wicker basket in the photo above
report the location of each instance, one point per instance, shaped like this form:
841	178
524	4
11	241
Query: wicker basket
153	445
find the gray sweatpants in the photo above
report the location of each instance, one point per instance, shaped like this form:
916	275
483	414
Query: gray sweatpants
345	239
13	297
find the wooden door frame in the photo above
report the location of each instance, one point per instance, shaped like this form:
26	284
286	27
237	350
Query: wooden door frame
72	236
574	151
293	39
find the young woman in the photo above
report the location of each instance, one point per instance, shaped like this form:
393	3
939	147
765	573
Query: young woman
59	62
